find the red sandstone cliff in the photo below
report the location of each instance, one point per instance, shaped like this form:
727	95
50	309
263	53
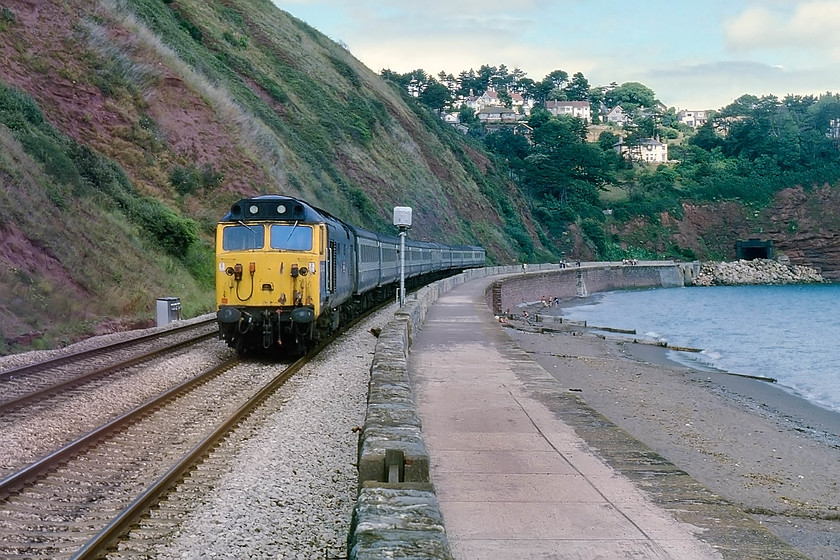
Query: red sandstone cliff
803	224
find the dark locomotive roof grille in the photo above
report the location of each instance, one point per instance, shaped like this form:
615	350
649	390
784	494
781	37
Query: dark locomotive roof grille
267	208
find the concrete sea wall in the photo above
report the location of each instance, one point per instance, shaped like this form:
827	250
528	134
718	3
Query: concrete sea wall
397	514
512	292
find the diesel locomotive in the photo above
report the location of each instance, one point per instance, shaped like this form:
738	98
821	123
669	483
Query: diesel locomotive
288	274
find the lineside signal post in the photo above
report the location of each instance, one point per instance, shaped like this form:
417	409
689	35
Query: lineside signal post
402	219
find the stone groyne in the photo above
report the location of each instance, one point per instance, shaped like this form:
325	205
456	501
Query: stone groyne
757	271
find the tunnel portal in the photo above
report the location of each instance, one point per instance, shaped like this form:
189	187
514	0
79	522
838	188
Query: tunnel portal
754	249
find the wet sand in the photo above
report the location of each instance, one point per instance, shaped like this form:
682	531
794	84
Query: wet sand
770	452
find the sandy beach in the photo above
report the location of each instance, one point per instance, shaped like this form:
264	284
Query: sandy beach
765	449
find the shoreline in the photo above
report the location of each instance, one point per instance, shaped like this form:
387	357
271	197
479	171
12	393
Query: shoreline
780	403
660	354
771	452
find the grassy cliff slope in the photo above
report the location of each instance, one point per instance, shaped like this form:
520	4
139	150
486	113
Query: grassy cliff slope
127	128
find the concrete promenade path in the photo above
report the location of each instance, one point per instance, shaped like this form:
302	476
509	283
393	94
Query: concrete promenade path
516	480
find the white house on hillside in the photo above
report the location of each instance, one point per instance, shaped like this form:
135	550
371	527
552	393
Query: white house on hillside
692	118
649	150
617	116
490	98
579	109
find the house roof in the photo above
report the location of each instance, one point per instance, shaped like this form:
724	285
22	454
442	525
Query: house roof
642	142
492	109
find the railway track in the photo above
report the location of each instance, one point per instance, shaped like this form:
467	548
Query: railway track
45	406
77	501
28	383
55	506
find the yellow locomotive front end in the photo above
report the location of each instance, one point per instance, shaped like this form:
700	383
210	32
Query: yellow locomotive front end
270	254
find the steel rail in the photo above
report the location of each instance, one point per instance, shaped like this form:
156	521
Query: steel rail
41	393
28	474
74	356
110	534
99	545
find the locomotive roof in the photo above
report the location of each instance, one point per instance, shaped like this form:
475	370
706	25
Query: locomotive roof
273	208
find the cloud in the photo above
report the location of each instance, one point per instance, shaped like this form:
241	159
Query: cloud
809	25
717	84
467	51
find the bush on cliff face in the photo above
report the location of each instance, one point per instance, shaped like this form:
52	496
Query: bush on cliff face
78	171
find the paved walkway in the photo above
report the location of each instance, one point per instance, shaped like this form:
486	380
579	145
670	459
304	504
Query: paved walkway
514	479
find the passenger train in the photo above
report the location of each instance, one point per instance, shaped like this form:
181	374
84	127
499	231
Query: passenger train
288	274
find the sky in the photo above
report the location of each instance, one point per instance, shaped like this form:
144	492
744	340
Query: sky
693	54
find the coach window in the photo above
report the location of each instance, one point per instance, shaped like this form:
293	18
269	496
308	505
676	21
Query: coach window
243	238
292	237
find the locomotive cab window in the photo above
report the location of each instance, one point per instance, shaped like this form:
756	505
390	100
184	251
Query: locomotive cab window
291	237
243	238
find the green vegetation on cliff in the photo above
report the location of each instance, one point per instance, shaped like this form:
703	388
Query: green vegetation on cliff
128	128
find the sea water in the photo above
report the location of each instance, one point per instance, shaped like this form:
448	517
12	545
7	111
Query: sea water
789	333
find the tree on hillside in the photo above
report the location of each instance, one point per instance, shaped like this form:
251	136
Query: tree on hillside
824	117
467	116
741	107
514	148
596	97
501	78
554	80
643	127
516	76
448	80
486	73
564	173
607	139
631	96
706	137
469	83
557	94
435	95
414	81
525	87
578	88
504	98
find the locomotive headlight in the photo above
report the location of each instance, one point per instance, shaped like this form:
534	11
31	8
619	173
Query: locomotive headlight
312	267
303	271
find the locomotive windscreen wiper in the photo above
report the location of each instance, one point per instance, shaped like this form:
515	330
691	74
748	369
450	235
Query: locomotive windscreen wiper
243	224
294	227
